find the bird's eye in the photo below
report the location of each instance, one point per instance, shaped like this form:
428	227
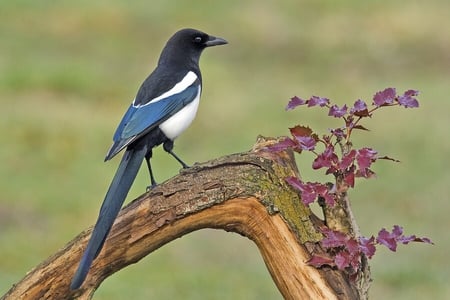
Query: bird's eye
198	39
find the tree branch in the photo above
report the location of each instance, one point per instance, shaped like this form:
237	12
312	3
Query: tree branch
244	193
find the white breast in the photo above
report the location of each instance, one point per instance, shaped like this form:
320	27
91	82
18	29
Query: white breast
178	123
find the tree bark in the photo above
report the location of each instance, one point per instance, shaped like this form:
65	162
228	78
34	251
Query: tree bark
244	193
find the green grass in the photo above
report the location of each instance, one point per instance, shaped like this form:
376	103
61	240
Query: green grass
68	70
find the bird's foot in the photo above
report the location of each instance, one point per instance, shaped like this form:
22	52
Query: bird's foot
151	187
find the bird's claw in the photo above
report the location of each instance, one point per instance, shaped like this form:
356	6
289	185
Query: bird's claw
151	187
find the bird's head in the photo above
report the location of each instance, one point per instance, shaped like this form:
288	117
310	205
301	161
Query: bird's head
187	45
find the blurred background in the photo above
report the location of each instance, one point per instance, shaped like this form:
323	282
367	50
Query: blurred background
69	70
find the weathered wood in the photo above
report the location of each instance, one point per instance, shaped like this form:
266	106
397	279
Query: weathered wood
244	193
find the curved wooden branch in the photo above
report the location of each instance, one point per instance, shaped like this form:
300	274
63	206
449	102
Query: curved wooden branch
243	193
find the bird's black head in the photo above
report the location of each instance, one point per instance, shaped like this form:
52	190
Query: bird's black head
186	45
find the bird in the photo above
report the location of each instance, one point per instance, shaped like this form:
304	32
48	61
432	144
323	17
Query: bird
165	105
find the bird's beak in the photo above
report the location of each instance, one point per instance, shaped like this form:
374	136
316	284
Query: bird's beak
215	41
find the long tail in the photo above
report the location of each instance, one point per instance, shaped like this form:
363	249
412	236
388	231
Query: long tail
117	192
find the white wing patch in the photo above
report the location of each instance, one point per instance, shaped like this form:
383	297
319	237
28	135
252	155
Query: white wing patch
187	80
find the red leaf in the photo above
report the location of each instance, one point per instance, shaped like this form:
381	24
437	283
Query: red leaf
300	131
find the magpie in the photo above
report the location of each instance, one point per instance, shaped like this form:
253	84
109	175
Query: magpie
165	105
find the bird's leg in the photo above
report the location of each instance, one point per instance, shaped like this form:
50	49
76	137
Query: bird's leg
168	146
152	178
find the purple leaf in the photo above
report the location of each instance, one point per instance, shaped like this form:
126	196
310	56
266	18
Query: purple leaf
321	161
411	93
320	101
347	249
282	145
320	260
294	182
354	251
323	191
337	112
359	109
333	238
359	105
347	160
342	260
365	157
306	142
385	97
338	132
352	246
326	159
308	194
330	199
367	246
397	231
349	177
387	239
406	239
310	190
294	102
390	240
365	173
407	99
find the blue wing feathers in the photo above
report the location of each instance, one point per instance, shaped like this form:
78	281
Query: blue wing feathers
138	120
126	118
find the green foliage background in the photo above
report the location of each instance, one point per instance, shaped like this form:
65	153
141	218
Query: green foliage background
69	69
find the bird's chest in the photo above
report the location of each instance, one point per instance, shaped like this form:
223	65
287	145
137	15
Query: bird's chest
181	120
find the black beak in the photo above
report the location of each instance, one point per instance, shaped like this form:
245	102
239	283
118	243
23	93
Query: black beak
215	41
